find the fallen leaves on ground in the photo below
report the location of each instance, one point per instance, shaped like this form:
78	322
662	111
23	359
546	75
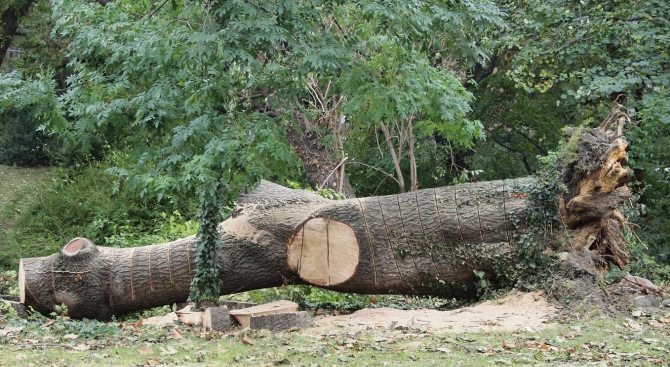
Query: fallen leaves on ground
145	351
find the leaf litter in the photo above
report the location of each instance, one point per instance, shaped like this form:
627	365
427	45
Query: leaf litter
543	338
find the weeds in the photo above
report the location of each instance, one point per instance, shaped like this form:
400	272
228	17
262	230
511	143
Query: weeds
79	203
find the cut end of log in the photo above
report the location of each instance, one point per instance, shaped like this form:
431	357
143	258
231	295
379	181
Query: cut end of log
323	252
22	282
74	246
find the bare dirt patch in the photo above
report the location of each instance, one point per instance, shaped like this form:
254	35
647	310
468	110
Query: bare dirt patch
515	311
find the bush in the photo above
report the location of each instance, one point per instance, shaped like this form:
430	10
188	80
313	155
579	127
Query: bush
21	144
81	203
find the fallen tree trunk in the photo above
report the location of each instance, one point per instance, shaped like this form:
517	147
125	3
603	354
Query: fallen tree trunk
425	242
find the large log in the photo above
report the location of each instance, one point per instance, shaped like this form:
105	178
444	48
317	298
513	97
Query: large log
424	242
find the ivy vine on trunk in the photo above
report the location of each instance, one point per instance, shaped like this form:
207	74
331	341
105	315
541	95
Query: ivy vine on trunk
206	283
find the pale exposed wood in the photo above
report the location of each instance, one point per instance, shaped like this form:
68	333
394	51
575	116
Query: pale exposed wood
324	252
22	282
243	316
164	320
235	305
188	317
603	181
282	321
73	246
216	318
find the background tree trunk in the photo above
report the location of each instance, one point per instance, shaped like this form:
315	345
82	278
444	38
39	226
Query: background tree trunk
10	23
323	169
424	242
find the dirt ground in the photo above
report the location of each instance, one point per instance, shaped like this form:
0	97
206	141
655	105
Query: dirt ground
513	312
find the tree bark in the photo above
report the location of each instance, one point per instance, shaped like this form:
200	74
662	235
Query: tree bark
424	242
10	23
322	168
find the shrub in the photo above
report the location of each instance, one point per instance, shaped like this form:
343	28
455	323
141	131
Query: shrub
80	203
21	143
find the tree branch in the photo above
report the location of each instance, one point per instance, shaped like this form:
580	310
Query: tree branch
524	159
396	161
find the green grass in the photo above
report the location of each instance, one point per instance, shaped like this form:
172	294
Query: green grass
18	188
42	209
598	341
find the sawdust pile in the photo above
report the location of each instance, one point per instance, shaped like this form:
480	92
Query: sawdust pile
515	311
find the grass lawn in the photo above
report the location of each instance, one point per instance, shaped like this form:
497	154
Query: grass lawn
599	341
19	186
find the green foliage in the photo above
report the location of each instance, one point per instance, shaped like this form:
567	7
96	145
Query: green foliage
314	298
592	53
21	144
323	192
8	283
39	50
532	263
79	202
403	84
206	281
61	310
520	126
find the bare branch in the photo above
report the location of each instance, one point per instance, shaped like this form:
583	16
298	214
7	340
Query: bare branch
396	161
378	170
333	171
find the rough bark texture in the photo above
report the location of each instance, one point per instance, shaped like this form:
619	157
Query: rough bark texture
322	168
423	242
282	321
217	319
14	303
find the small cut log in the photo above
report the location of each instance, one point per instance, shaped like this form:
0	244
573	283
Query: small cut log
282	321
244	316
217	319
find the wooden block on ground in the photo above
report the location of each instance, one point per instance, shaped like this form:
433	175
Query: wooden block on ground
188	317
235	305
282	321
164	320
182	305
216	318
243	316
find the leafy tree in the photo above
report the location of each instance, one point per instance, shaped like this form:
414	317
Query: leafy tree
520	126
589	54
204	94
